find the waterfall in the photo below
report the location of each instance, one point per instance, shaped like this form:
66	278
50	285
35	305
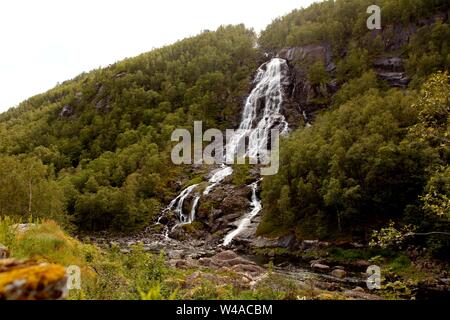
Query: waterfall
194	207
217	178
177	204
268	93
244	223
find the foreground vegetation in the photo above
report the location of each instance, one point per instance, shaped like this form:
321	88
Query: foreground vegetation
95	151
108	273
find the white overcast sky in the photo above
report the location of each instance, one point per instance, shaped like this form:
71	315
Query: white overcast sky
43	42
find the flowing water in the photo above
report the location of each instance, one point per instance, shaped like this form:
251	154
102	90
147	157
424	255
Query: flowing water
245	222
267	91
177	205
261	114
217	178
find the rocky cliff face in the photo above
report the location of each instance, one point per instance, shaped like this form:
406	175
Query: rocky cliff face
302	98
301	95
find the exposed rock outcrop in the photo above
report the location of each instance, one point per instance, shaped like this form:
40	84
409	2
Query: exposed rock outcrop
303	98
339	273
391	70
66	112
103	105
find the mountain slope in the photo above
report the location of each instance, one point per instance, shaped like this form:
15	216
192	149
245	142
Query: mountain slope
105	135
101	142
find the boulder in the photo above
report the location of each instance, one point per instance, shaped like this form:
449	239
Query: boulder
175	254
230	260
226	255
394	79
287	241
260	242
250	270
66	112
29	280
339	273
309	244
320	266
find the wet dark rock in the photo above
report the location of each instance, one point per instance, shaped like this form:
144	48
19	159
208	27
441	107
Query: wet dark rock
176	254
300	95
390	64
261	242
229	218
287	241
312	245
394	79
163	219
222	207
309	244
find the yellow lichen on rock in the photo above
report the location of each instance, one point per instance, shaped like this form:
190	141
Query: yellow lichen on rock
28	280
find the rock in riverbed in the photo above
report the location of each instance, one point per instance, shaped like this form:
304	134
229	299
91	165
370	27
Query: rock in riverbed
339	273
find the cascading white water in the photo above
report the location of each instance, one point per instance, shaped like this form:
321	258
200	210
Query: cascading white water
177	204
268	93
244	223
268	90
194	207
217	178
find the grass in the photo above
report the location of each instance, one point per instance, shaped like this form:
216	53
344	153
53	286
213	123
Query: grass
110	274
352	255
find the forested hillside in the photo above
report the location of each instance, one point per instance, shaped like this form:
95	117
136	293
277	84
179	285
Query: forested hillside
93	153
95	150
378	154
408	30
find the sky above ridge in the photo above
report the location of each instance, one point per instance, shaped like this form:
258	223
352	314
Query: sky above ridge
49	41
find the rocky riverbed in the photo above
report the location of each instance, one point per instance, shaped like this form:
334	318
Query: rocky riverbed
203	256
